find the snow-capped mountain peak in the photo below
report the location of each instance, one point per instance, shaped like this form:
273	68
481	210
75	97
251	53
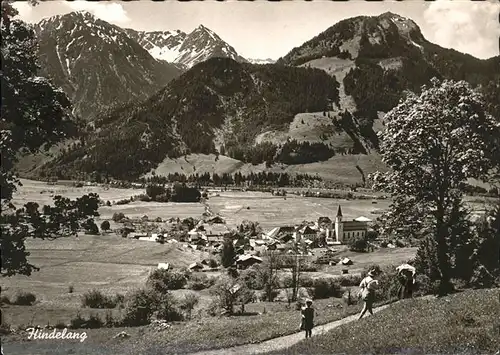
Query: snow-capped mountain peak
261	61
185	49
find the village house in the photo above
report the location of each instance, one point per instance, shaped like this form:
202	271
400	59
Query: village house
245	261
306	232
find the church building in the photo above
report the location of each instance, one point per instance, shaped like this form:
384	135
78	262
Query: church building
345	230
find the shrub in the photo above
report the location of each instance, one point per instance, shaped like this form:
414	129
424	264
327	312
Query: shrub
123	202
162	280
96	299
326	287
213	263
188	303
350	280
306	281
139	308
24	299
105	226
109	321
90	227
60	325
118	216
252	279
94	322
4	300
358	244
200	282
144	198
77	322
5	328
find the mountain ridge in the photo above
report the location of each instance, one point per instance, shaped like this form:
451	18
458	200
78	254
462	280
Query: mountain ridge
67	47
260	114
184	49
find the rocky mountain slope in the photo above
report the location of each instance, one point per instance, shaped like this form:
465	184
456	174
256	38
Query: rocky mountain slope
97	64
321	104
184	49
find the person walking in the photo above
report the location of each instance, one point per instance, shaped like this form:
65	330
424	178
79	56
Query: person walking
308	318
367	292
406	278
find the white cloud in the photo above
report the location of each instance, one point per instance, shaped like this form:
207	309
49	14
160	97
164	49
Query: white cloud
470	27
107	11
25	10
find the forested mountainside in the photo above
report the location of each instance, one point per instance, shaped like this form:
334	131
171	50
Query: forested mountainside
97	64
219	105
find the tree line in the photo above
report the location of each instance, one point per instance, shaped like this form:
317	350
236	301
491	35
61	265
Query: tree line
236	179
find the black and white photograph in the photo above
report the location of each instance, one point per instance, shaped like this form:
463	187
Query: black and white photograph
250	177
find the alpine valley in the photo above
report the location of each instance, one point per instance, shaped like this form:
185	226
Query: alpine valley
168	101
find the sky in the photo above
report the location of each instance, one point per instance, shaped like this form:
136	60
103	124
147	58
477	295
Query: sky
262	29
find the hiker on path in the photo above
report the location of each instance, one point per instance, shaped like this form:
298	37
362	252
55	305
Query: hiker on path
406	278
367	292
307	318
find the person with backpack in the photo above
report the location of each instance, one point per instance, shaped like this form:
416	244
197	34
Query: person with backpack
367	292
406	278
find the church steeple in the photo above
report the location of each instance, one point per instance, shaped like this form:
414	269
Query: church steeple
339	212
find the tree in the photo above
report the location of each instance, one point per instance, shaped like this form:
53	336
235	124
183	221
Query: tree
228	253
105	226
34	114
188	303
268	273
433	142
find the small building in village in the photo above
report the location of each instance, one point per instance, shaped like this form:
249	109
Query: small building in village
245	261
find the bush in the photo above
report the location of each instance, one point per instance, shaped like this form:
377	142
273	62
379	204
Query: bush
5	328
188	303
144	198
358	244
118	216
252	279
60	325
24	299
4	300
105	226
200	282
90	227
123	202
306	281
350	280
139	308
77	322
326	287
96	299
162	280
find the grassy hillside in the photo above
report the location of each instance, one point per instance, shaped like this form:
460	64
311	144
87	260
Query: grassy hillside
463	323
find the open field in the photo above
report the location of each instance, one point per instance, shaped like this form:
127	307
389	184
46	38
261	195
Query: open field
272	211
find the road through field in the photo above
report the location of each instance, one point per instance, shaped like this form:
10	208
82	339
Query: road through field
283	342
